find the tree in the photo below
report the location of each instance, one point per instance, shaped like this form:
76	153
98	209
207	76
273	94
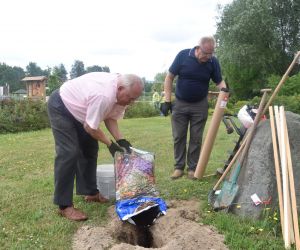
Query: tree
159	80
94	68
286	14
147	86
32	69
54	82
250	42
11	76
289	88
287	18
77	69
106	69
61	72
160	77
158	83
18	75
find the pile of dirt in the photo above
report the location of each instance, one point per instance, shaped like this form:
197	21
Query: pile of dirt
178	229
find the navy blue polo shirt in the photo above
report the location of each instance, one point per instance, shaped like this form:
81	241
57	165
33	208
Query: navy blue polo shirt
193	76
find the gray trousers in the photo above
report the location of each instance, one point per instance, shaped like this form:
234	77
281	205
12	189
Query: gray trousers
188	116
76	154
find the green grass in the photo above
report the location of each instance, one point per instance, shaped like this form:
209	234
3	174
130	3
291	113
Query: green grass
28	218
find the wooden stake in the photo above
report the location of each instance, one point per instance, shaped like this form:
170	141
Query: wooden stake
211	133
276	110
292	185
287	237
287	194
289	208
277	167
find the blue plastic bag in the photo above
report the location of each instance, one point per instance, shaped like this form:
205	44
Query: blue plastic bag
141	210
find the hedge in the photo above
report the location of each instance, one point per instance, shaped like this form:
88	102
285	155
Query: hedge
22	115
140	110
27	115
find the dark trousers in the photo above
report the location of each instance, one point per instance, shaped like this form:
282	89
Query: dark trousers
192	116
76	154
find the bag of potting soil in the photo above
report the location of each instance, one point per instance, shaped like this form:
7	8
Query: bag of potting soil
136	195
134	174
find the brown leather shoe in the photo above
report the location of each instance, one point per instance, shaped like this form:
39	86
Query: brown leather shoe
95	198
177	174
191	175
72	213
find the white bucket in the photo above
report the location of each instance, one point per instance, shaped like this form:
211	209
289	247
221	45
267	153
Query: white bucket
106	181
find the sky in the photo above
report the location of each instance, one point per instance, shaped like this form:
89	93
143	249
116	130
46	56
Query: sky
129	36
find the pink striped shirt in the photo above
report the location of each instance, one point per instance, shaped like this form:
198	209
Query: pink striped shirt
91	98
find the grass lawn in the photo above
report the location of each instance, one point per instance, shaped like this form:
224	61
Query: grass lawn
28	218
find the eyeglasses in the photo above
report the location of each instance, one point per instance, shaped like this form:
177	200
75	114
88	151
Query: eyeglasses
205	53
131	98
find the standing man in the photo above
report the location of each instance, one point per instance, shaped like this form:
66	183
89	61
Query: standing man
155	99
76	111
195	68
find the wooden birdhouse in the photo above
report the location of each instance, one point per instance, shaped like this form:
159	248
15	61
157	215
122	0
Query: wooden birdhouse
36	87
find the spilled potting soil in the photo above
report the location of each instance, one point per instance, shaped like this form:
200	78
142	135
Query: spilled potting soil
178	229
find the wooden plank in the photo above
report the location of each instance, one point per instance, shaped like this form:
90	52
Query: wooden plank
277	167
292	185
280	133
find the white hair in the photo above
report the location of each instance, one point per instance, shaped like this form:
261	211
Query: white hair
128	80
207	39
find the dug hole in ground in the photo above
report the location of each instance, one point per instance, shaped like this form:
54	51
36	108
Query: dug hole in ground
178	229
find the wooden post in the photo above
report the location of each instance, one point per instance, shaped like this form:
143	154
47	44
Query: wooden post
292	184
211	133
286	205
277	167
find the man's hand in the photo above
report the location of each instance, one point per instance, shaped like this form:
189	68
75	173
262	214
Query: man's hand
166	107
125	144
113	148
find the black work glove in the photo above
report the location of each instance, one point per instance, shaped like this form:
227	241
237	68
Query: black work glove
125	144
113	148
166	107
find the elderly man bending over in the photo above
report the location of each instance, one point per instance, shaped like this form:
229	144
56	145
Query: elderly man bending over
75	112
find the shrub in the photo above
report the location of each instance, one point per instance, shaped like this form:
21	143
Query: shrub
289	88
290	103
212	105
233	108
22	115
140	110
